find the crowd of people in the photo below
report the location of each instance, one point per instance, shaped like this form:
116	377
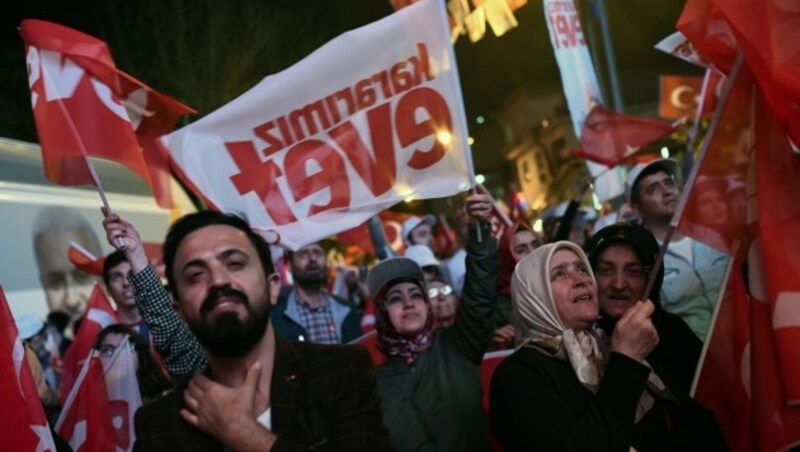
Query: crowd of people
231	356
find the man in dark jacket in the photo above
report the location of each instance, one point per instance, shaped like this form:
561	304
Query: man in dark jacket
622	256
259	392
306	311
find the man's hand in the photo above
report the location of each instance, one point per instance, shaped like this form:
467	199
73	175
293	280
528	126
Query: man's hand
118	230
478	204
634	335
228	414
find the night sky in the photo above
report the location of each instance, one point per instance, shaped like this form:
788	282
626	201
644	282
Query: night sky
490	69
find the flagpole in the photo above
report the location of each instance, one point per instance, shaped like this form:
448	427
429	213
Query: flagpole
120	244
73	391
461	111
497	210
683	200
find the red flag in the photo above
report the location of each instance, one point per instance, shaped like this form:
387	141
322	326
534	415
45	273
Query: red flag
490	362
370	342
517	206
23	425
445	241
767	33
86	419
99	314
84	260
392	227
704	25
716	207
611	138
778	183
751	372
723	383
84	106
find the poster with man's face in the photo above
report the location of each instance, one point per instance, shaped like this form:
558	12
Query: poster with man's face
40	223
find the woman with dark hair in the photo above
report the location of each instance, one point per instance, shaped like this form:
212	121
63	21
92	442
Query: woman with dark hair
153	381
623	257
566	388
430	382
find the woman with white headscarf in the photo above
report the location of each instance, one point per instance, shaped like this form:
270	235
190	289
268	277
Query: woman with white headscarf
564	389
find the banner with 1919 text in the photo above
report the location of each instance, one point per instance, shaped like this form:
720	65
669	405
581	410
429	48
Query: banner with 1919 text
579	81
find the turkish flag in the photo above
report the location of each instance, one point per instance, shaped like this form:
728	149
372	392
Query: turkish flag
778	184
85	261
392	227
768	33
23	425
611	138
704	25
445	241
723	384
99	314
680	95
85	107
86	419
716	207
751	372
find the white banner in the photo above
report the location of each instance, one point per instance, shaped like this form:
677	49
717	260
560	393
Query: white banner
371	118
579	81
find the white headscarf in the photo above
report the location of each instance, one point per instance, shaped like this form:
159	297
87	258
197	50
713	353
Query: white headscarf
540	324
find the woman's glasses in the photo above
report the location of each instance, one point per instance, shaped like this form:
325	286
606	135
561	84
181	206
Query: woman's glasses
434	292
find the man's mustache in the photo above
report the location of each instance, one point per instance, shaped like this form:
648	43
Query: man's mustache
214	295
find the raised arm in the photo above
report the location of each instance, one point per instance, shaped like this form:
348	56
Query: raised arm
473	326
182	354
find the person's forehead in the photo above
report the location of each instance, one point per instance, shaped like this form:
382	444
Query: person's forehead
213	239
654	177
523	235
402	287
51	248
122	267
564	255
618	251
422	227
311	247
112	339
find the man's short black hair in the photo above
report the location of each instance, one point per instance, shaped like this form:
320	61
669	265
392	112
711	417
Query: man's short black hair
111	261
198	220
650	170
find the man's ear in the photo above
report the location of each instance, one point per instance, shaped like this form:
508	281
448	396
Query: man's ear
274	282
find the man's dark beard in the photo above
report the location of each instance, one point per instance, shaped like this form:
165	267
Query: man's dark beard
227	336
315	280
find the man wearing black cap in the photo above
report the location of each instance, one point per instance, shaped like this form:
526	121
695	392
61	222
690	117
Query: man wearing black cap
622	256
693	272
